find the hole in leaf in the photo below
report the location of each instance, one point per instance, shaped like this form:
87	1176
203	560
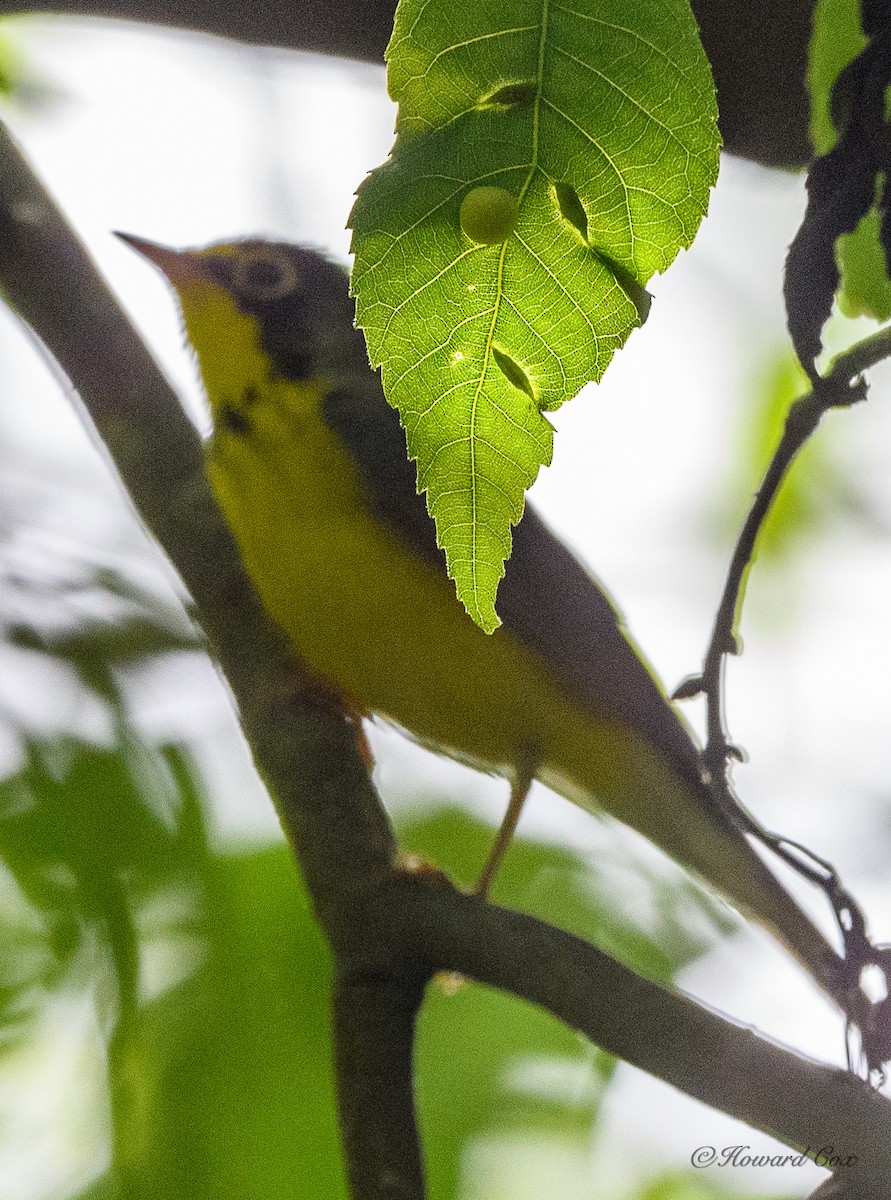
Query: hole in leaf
571	209
511	95
638	295
513	372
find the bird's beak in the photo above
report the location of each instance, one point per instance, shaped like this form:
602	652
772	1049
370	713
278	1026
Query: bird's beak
180	266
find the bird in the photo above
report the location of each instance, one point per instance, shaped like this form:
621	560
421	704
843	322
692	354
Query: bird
308	462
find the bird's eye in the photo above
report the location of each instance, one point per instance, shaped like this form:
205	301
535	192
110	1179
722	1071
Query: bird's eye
265	277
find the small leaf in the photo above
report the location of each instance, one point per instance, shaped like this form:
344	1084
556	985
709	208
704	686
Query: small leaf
865	289
865	286
550	156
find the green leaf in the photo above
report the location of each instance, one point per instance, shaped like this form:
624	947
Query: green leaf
837	38
865	289
598	120
225	1081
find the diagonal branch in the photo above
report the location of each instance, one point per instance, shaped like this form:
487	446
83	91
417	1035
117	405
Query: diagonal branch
307	753
757	48
732	1068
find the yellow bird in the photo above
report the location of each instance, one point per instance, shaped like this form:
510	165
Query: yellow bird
308	463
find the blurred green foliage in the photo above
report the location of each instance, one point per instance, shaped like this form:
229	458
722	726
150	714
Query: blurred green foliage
9	63
691	1185
204	964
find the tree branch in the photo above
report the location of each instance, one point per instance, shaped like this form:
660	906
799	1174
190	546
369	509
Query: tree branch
306	752
757	48
729	1067
390	926
374	1026
839	388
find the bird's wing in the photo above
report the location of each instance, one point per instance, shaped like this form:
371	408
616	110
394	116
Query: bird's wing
551	603
547	600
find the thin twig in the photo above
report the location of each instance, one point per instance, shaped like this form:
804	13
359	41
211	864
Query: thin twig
841	387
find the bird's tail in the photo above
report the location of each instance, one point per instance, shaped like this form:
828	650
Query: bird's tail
678	815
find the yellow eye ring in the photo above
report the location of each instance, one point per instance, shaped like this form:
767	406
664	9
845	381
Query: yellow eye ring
264	275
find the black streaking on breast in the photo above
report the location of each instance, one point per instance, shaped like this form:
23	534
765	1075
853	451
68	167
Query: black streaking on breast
235	420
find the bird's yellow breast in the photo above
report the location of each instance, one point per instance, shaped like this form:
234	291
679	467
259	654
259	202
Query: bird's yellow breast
362	609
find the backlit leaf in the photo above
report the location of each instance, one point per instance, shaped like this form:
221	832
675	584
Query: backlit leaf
598	119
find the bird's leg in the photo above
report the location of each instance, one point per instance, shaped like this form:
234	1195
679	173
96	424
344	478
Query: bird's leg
524	773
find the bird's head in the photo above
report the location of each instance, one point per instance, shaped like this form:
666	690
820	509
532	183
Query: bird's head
254	305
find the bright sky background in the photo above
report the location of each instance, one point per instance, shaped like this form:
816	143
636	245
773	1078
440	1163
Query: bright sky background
186	140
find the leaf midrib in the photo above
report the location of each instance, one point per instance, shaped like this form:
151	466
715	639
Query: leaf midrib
496	307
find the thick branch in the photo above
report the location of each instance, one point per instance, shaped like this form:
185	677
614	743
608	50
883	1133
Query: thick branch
306	753
757	48
374	1022
727	1066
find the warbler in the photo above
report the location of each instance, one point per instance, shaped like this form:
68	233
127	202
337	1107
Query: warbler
308	462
